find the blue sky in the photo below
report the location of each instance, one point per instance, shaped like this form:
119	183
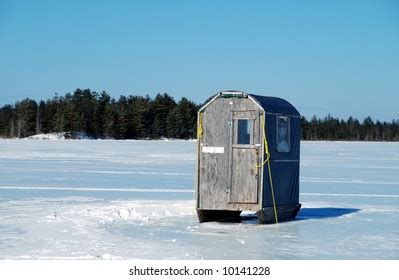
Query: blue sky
338	57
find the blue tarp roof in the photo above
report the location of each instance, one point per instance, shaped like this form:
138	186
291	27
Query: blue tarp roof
276	105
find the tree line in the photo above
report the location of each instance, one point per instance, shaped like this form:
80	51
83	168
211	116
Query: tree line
142	117
100	116
351	129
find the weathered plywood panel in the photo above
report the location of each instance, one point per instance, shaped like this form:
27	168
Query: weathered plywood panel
244	187
214	166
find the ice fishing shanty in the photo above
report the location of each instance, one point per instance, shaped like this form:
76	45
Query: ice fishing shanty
248	158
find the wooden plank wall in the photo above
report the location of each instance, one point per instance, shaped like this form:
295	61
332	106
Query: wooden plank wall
214	170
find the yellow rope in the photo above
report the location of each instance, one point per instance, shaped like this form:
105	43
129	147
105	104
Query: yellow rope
199	130
263	121
199	137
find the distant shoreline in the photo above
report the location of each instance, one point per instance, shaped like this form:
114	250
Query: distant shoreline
99	116
50	138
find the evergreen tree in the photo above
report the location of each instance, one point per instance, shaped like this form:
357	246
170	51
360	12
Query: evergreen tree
162	105
111	120
181	121
100	122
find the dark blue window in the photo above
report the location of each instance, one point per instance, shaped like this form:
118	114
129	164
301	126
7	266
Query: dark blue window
244	132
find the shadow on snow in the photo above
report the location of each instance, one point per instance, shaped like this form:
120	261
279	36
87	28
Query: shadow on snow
324	212
307	214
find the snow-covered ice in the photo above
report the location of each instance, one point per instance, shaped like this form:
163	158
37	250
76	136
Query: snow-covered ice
134	200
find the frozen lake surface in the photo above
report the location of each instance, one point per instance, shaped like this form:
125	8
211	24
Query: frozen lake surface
134	200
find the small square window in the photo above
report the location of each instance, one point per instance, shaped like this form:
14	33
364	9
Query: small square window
244	132
283	134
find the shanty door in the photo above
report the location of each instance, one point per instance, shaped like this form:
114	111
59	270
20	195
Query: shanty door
243	156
